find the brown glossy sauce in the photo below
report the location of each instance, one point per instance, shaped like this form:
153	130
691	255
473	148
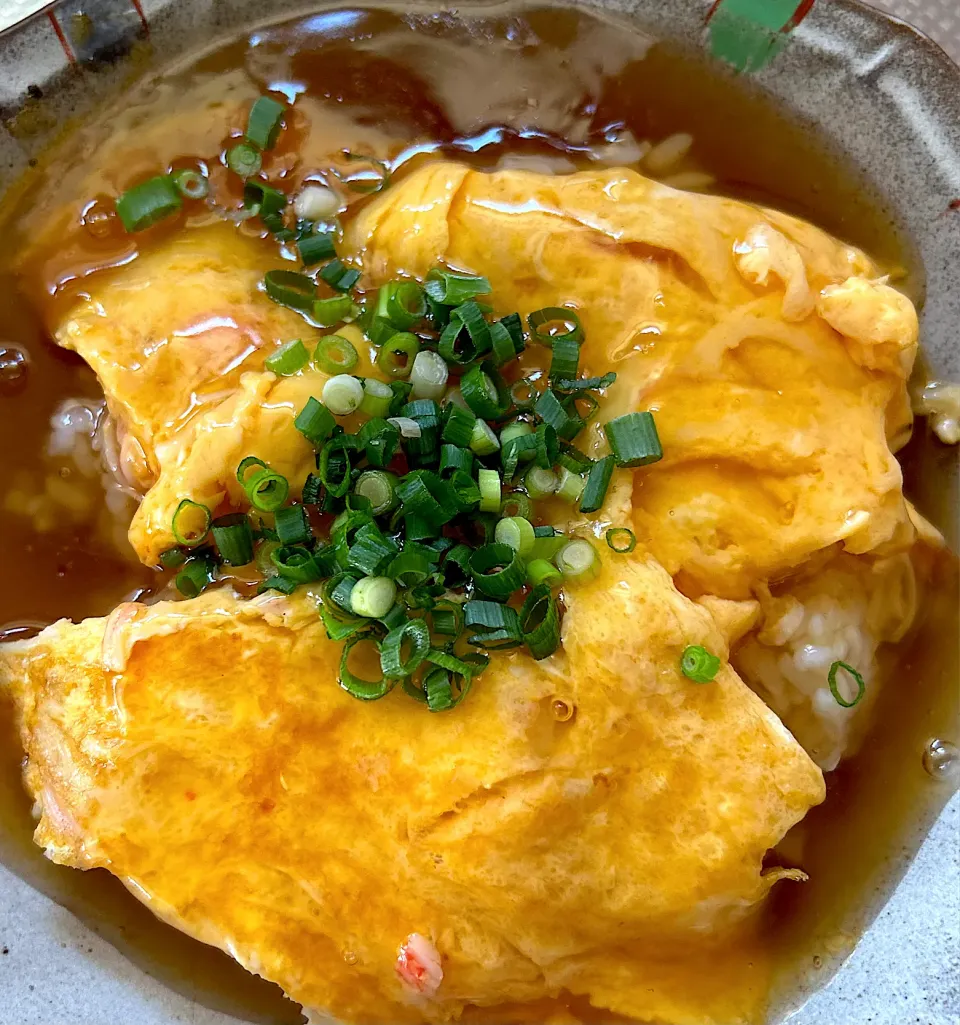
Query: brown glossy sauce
547	84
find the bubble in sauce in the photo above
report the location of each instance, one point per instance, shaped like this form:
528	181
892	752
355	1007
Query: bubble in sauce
563	711
14	368
350	957
941	760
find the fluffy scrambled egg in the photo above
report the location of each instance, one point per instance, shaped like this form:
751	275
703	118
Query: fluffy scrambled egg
755	339
203	753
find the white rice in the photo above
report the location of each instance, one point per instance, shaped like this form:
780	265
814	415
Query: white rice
79	480
842	614
940	402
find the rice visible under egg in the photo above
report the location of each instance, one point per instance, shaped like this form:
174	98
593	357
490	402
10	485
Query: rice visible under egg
843	614
76	476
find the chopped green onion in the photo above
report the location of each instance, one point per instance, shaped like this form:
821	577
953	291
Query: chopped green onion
516	503
428	376
835	690
373	597
311	493
244	160
501	345
633	439
547	446
586	383
150	201
191	522
338	276
342	394
483	442
407	426
263	560
700	665
524	393
377	396
314	249
397	354
392	661
499	625
247	463
269	203
292	525
578	561
517	429
172	558
540	571
545	325
621	540
540	483
288	288
424	494
234	538
565	359
278	583
395	617
266	490
379	440
446	618
540	622
456	566
497	570
422	450
342	629
334	310
570	486
401	304
453	346
315	422
458	426
551	411
190	184
598	481
365	690
379	488
371	551
195	576
336	594
289	359
334	465
455	459
264	122
452	289
294	563
465	489
489	481
522	447
335	355
516	532
378	329
547	545
572	459
438	690
514	327
409	568
484	392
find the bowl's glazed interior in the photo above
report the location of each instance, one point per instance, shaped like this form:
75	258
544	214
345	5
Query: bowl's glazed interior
853	123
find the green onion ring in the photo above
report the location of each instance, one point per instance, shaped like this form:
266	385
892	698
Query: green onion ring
365	690
180	528
835	690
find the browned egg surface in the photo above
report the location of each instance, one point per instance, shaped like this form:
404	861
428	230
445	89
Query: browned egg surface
478	118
